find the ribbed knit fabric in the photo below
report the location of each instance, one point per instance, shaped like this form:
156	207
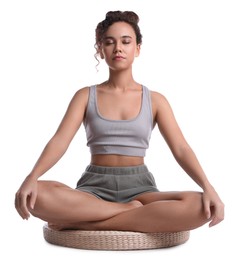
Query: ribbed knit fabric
123	137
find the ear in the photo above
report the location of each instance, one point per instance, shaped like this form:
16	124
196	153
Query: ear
137	50
100	53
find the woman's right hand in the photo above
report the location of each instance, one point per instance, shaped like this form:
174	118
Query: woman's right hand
26	196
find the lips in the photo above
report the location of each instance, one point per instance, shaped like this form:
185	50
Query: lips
118	58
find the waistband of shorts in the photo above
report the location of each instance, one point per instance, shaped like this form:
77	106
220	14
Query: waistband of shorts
127	170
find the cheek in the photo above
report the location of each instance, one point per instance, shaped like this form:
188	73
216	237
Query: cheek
134	53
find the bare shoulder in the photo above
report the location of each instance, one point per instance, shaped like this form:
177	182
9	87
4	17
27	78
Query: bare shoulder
158	99
160	106
82	93
80	97
156	95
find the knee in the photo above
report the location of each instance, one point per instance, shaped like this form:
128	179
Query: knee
44	190
193	202
193	196
193	199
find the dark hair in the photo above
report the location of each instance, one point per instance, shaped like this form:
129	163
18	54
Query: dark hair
113	17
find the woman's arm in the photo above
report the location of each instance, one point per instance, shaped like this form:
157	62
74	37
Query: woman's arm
185	156
60	141
53	151
176	141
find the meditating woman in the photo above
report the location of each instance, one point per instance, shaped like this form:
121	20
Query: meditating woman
116	190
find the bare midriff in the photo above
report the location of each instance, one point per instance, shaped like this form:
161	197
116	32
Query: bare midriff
113	160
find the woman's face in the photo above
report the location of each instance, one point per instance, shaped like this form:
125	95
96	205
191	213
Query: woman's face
119	47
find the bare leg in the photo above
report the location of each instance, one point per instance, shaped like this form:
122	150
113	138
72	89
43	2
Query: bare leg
162	212
59	204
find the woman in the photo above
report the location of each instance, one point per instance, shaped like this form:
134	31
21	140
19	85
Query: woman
116	191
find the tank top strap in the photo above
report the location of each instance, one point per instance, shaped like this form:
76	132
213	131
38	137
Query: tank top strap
91	106
92	97
147	103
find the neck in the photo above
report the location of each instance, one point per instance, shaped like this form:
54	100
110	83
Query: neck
121	80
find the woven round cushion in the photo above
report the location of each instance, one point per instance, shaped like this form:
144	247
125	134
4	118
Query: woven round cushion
113	240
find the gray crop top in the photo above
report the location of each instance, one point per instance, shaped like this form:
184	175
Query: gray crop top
123	137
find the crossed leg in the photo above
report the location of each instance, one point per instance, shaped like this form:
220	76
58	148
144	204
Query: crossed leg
161	212
66	208
58	203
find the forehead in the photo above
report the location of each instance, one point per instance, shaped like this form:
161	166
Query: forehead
119	29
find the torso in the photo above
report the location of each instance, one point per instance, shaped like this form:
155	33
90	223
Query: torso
113	160
118	105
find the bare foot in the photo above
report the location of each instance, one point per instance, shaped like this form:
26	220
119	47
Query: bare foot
60	227
74	226
134	204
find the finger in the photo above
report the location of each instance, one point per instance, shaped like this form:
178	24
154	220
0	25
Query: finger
32	200
17	205
22	207
213	222
217	217
207	209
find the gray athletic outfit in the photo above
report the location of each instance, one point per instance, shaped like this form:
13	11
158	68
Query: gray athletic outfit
123	137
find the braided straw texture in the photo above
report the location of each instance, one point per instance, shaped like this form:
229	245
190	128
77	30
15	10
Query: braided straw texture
113	240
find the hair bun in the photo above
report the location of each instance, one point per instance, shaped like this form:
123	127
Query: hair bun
130	16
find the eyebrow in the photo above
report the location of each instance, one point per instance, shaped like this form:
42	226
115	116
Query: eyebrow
123	37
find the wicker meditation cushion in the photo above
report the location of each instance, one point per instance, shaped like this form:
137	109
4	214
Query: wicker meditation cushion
113	240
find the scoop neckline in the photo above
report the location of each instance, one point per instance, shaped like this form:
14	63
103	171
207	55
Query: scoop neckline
120	120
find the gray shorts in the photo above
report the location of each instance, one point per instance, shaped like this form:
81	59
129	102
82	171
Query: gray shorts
117	184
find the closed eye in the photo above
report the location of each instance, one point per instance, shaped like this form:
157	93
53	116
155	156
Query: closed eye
108	43
110	40
126	42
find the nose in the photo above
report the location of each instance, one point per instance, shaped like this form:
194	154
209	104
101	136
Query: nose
117	48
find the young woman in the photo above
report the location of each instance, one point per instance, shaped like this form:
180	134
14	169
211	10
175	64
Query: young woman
117	191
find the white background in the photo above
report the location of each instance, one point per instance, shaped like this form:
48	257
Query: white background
46	54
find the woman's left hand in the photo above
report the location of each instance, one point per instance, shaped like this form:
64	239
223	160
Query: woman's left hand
213	206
